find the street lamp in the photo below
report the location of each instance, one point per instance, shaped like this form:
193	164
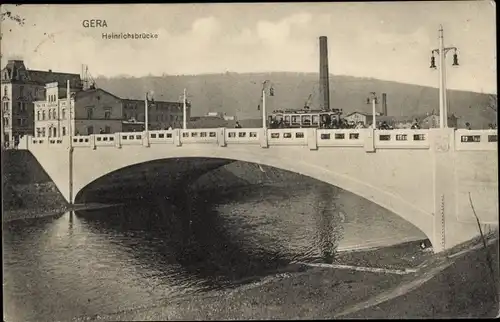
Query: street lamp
271	93
374	100
146	109
442	51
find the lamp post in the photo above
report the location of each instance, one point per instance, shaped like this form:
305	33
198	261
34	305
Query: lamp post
271	93
149	97
374	100
184	111
442	51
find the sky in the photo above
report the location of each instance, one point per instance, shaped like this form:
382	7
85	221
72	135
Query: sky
385	40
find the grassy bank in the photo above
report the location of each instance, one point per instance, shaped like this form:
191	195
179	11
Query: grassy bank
450	284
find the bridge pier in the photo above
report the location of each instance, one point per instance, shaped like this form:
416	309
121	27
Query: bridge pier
448	229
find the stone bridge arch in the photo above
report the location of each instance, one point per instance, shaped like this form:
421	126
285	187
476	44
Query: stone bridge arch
345	172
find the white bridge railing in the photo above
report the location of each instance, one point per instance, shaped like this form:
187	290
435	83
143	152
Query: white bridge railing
314	138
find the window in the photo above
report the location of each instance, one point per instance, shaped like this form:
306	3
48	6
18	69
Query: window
212	134
38	115
471	138
287	135
299	135
492	138
107	114
6	121
253	134
90	130
107	129
232	134
125	116
203	134
384	137
54	116
275	135
401	137
339	136
43	115
63	112
5	106
38	132
18	121
64	131
21	91
353	136
43	132
242	134
5	90
90	113
325	136
418	137
54	130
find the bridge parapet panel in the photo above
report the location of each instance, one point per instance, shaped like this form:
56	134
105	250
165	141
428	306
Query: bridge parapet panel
199	136
81	141
476	140
131	138
104	140
161	137
297	137
341	137
242	136
402	138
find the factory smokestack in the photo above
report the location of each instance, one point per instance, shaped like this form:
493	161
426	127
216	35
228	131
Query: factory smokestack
324	86
384	104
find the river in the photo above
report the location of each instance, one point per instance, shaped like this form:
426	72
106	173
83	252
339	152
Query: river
114	259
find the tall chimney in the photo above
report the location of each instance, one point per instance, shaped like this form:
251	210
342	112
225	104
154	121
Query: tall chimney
324	86
384	104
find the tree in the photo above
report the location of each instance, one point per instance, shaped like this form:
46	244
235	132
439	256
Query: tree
493	102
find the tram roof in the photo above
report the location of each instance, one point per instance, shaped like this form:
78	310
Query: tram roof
290	111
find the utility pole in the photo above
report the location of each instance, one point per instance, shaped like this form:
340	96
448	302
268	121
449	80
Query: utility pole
70	138
184	110
442	51
374	101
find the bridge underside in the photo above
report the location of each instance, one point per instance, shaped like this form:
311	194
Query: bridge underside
156	179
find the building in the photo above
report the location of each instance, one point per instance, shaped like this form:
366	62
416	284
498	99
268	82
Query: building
220	115
20	89
161	114
356	117
91	111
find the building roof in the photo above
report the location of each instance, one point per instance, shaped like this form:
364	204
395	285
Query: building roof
93	91
13	68
17	71
356	112
44	77
131	100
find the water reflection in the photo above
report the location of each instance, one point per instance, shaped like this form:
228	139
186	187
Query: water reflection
103	261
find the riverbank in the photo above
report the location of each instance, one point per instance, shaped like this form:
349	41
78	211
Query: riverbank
450	284
31	213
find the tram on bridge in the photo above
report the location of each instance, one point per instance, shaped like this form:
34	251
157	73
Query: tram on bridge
304	118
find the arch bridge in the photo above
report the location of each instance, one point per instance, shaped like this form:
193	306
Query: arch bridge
424	176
